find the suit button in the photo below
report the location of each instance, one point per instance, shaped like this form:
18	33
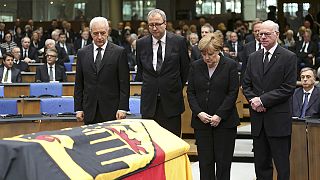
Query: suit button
262	92
207	99
208	91
208	83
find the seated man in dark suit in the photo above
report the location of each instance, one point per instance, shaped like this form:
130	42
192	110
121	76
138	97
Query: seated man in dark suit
306	51
306	99
62	55
83	41
9	74
67	47
51	71
23	66
28	54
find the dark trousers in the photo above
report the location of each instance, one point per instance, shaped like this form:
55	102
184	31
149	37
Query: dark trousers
97	118
172	124
267	148
215	146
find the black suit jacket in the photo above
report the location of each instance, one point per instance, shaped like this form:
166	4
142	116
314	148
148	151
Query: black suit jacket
171	79
215	95
195	53
43	76
108	86
274	86
32	54
15	75
239	46
313	108
23	66
244	56
77	44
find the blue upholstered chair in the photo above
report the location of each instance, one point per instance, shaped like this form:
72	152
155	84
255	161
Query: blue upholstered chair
38	89
1	91
71	57
134	105
8	106
56	105
68	66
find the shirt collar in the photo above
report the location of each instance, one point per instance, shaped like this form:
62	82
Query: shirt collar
163	39
103	47
310	91
271	51
53	66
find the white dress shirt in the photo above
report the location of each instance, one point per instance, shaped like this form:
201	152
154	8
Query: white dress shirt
4	73
53	70
155	46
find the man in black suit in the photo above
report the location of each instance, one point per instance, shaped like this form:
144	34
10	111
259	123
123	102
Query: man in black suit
28	54
83	41
306	99
23	66
62	55
51	71
9	74
67	47
306	51
235	46
250	47
102	78
163	65
195	52
268	85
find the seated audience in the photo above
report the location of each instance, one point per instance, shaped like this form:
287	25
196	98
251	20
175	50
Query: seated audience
289	41
51	71
306	99
23	66
62	55
9	74
28	54
306	50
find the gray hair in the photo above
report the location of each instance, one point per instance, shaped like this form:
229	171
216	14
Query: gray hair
157	11
98	20
134	36
274	25
195	35
207	25
26	37
49	41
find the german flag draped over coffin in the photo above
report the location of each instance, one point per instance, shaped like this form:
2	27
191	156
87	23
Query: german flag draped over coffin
130	149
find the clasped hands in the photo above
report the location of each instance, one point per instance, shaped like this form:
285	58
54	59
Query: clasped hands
206	118
257	105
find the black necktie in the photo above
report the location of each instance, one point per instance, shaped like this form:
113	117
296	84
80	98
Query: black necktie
51	74
305	105
266	60
25	54
159	57
234	47
5	79
259	46
98	58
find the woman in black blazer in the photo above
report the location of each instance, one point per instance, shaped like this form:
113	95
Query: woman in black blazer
212	92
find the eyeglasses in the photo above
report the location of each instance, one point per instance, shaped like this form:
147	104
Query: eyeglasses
266	34
48	55
157	25
102	33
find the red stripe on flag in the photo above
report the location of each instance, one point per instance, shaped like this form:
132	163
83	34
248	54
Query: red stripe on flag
155	171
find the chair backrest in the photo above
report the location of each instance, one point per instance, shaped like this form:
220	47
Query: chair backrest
38	89
1	91
56	105
8	106
71	57
68	66
134	105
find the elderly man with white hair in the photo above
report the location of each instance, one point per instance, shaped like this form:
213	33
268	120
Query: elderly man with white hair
268	84
102	78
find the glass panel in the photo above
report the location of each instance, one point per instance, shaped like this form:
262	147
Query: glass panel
137	10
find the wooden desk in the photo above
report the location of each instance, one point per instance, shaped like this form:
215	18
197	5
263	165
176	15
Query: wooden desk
33	66
33	124
30	77
314	148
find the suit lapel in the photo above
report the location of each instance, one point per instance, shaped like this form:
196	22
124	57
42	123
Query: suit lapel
91	58
45	73
273	59
259	61
219	67
169	47
299	97
107	53
313	98
204	69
